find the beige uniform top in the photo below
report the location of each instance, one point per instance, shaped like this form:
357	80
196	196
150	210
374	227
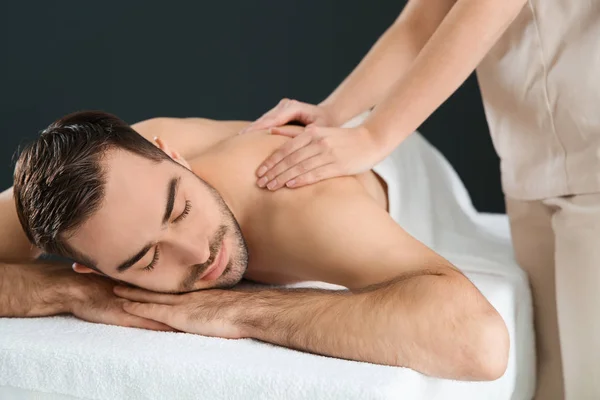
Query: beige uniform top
541	91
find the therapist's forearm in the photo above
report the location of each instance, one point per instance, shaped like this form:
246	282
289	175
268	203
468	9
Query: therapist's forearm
456	48
389	58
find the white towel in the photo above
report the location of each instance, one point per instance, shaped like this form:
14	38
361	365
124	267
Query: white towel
63	355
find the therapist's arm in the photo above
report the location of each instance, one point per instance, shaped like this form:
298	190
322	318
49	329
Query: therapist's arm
459	44
389	58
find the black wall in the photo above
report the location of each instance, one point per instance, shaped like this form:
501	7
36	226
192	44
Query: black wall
226	59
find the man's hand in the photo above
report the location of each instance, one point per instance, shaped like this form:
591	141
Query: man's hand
210	312
93	300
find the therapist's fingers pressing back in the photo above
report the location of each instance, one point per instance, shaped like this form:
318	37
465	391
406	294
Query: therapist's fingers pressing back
288	111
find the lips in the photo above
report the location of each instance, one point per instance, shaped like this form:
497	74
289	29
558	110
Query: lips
218	265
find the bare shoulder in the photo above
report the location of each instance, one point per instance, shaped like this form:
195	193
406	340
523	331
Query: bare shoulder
188	136
357	242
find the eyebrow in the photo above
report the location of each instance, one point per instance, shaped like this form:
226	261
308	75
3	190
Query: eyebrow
171	194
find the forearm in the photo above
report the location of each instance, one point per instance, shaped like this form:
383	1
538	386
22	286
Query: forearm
34	290
456	48
426	322
389	58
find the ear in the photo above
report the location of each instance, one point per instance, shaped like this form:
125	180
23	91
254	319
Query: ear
82	269
171	153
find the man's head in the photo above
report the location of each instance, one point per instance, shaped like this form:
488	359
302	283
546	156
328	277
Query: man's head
91	189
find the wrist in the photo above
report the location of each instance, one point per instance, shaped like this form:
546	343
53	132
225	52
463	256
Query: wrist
58	291
340	112
334	113
65	289
374	144
76	289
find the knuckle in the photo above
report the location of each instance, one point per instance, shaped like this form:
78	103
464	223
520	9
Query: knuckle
323	144
271	161
270	175
312	177
311	130
302	168
337	170
294	158
276	158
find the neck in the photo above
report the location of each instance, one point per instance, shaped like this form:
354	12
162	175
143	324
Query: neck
229	172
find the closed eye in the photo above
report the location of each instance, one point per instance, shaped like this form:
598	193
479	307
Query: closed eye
186	211
152	264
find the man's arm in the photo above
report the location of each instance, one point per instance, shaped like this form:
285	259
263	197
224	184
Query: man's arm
419	320
409	307
35	289
14	245
27	287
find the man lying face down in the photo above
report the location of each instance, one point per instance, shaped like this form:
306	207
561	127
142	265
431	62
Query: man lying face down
118	203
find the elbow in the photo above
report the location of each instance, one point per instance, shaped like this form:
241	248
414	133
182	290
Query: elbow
484	345
491	347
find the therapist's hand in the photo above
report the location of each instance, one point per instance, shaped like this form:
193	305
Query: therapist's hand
211	312
292	110
318	153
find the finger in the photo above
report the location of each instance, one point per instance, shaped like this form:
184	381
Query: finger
315	175
293	165
289	131
282	152
156	312
145	296
259	122
133	321
286	111
303	168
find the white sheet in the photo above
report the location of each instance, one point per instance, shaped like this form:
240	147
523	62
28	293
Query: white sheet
66	356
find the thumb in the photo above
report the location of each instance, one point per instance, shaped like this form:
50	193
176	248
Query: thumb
276	118
289	131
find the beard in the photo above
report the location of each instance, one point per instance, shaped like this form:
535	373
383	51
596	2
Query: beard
238	259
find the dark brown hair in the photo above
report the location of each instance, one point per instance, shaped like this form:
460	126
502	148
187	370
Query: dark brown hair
59	179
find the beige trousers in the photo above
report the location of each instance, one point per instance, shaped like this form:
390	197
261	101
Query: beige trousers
557	242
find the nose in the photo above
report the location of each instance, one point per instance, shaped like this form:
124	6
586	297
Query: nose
191	251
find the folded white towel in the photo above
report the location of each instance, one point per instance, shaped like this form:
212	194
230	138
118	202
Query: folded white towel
64	355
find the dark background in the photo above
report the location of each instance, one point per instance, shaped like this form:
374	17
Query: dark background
228	59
